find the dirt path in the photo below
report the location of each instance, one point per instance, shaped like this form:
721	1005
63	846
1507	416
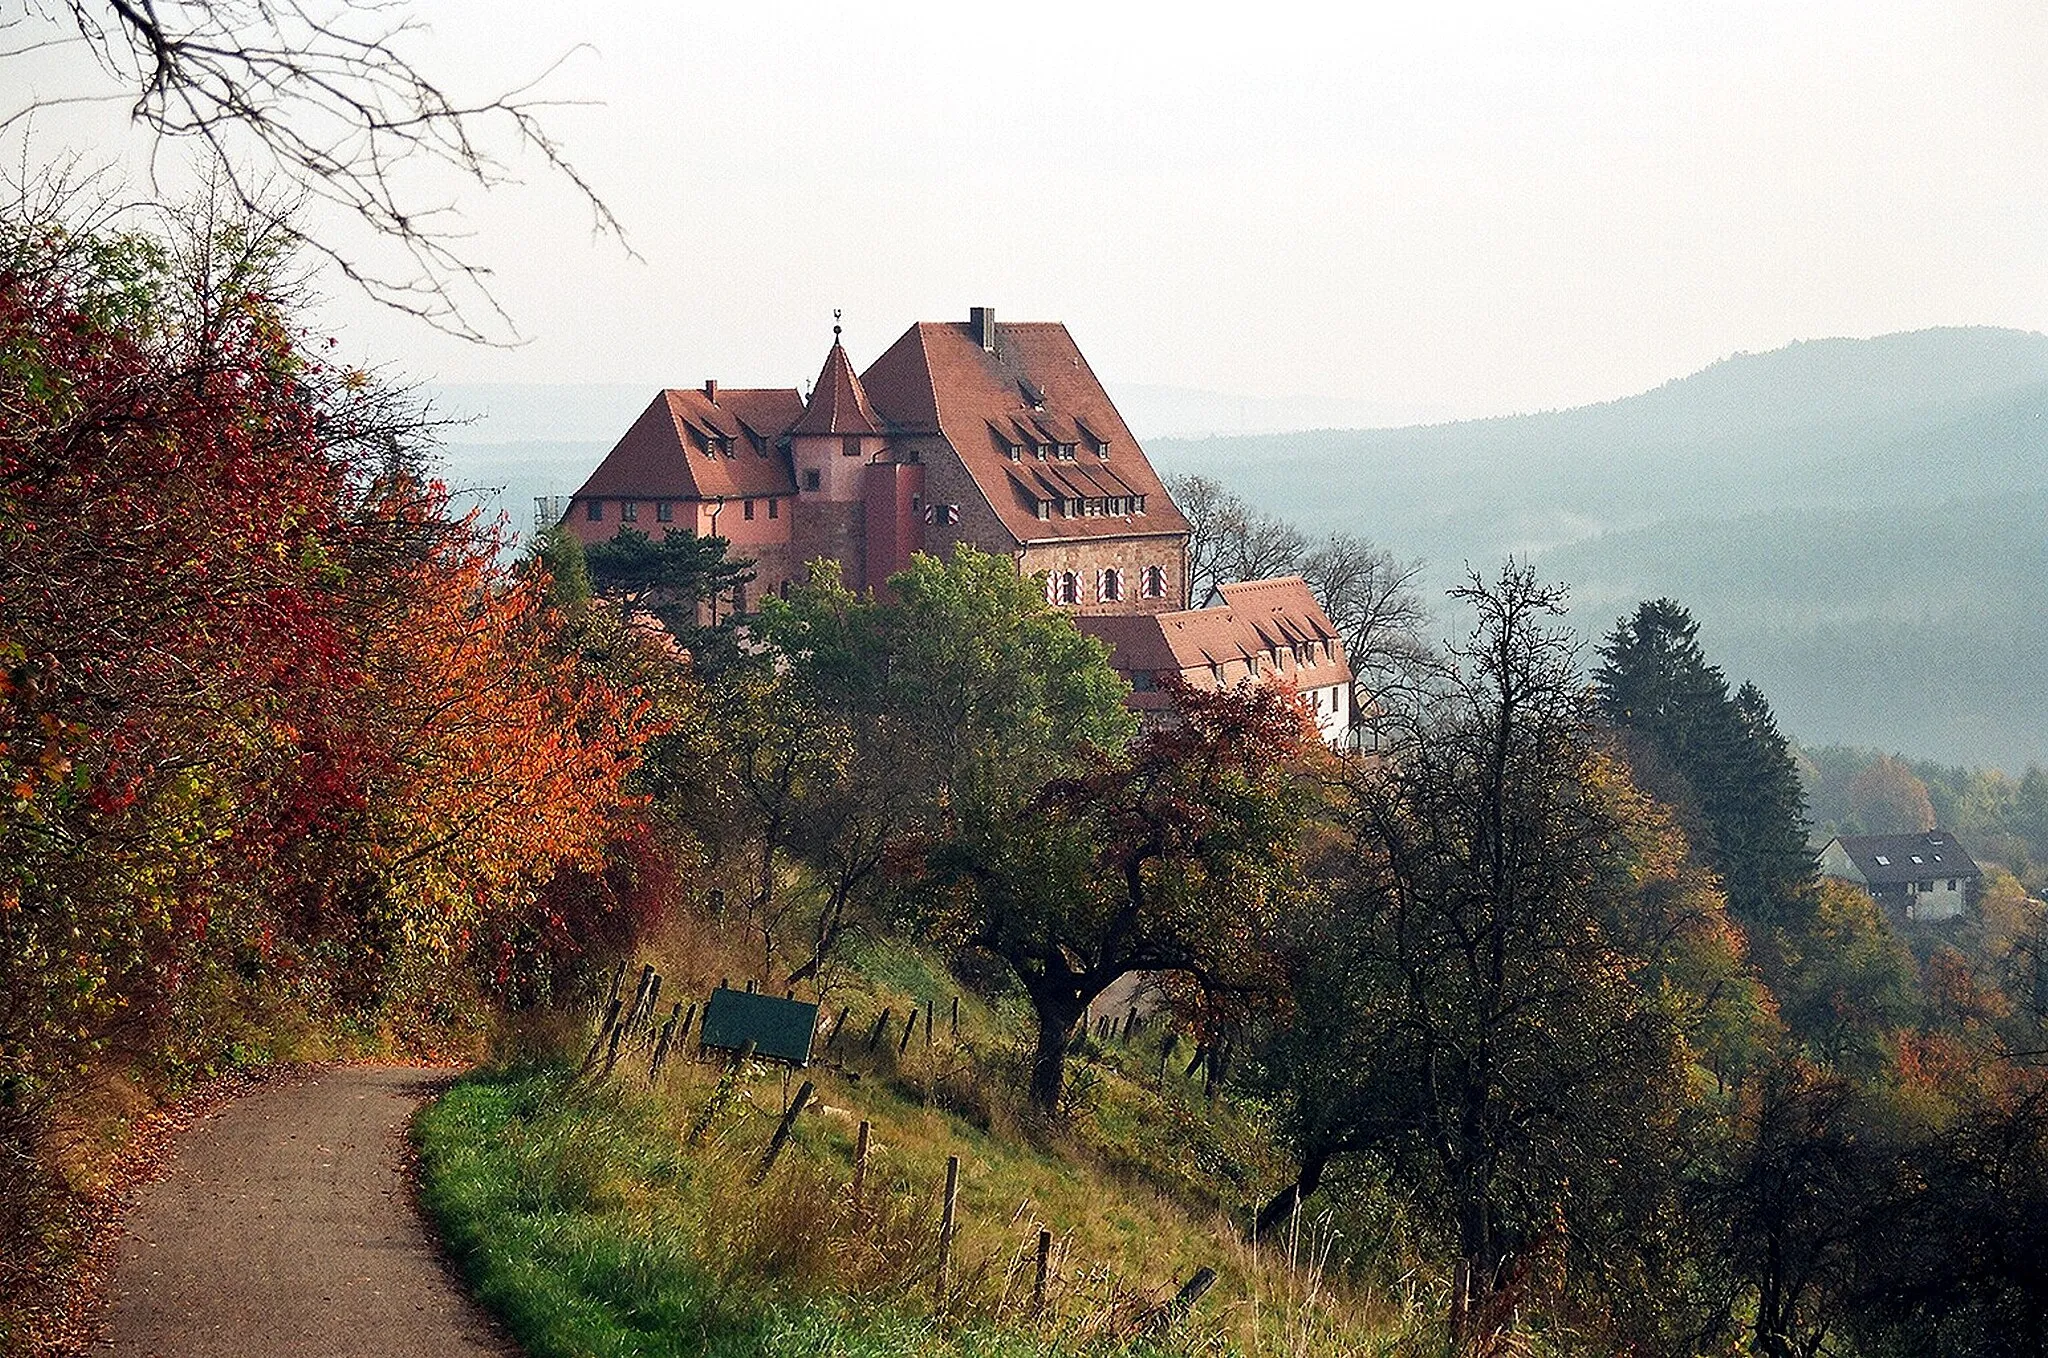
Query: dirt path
284	1225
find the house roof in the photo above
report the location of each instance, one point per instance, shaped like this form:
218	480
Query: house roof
687	445
1034	389
838	405
1255	617
1886	860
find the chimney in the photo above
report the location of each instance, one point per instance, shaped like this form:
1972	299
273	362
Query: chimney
711	390
981	323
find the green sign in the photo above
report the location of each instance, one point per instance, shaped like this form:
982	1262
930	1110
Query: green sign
779	1029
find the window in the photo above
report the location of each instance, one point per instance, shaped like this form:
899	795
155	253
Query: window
1102	449
1070	588
1066	452
811	478
747	510
1883	862
1110	586
1918	859
1153	583
850	446
774	508
664	512
725	446
1074	508
1927	886
1951	884
1045	509
1216	673
1141	681
1016	454
1140	509
629	511
593	510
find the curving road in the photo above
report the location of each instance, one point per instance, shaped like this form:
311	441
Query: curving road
284	1225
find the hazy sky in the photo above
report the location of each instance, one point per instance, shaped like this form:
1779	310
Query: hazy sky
1438	207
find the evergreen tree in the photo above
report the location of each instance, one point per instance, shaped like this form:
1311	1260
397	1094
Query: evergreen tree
1720	759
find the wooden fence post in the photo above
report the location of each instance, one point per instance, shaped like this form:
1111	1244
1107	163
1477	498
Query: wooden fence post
928	1009
881	1026
908	1028
956	1016
640	994
668	1035
653	999
782	1129
683	1033
604	1030
1177	1310
837	1024
860	1164
946	1228
1044	1267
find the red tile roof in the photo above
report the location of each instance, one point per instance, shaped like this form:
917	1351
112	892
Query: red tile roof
838	405
687	446
1255	617
1036	388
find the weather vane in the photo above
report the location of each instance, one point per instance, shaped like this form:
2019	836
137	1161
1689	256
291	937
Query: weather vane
835	323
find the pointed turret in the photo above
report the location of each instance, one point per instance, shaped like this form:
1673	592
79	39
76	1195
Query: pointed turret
837	404
838	433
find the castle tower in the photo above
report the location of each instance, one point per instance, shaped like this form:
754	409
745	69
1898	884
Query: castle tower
830	447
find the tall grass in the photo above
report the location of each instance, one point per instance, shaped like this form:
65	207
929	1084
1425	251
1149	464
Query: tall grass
585	1220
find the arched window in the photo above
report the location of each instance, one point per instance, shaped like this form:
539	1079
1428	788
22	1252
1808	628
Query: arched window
1070	588
1153	582
1109	586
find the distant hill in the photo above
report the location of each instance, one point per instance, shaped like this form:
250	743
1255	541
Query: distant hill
1858	524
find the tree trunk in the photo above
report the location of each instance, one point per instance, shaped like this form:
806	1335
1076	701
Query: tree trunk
1287	1199
1057	1017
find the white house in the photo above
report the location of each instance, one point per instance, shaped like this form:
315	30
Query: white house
1924	876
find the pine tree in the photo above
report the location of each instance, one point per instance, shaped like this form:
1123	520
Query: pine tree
1722	760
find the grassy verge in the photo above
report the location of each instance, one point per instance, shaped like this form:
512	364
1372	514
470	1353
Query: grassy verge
588	1224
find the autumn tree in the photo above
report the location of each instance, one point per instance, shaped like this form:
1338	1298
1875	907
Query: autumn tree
1888	798
1469	1014
1181	852
270	714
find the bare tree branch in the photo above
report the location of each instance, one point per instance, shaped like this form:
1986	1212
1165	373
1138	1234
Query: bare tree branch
317	98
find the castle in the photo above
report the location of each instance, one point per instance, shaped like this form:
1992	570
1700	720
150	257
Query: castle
998	435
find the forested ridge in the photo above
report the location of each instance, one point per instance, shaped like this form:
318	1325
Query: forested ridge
1851	521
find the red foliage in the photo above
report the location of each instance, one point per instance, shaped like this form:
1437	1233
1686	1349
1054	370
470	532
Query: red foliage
263	706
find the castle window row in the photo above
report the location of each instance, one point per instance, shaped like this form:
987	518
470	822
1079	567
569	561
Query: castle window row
1111	585
665	510
1091	507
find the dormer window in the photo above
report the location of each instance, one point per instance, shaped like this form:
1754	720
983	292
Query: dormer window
1138	504
1045	509
1066	452
1102	449
1015	453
